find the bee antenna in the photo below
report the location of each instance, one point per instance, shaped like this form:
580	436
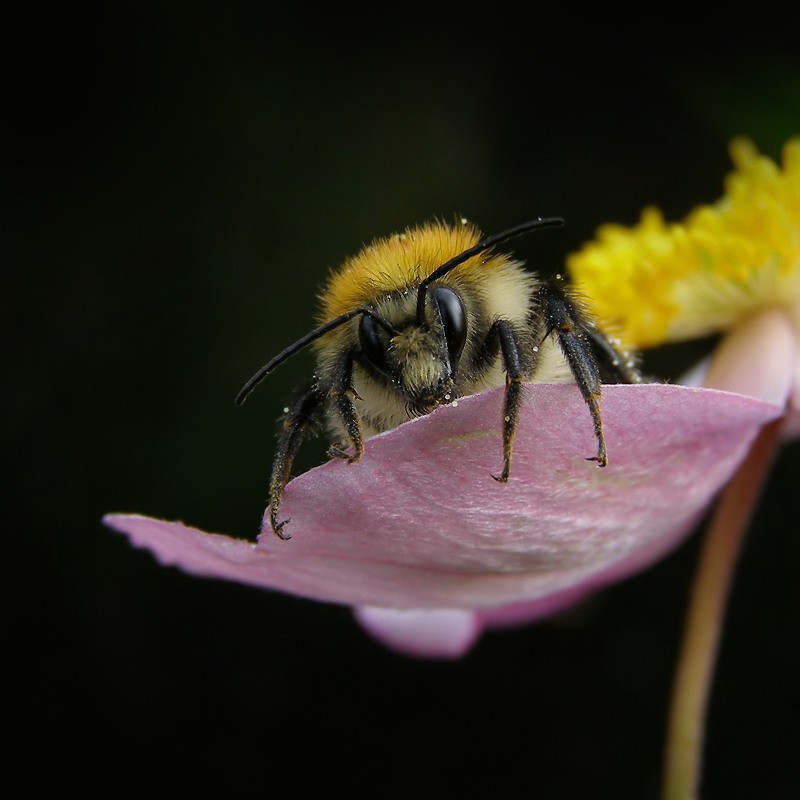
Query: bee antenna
491	241
245	391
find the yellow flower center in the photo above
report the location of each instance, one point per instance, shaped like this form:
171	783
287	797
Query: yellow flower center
665	282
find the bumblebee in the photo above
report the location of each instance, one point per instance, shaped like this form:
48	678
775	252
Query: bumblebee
420	318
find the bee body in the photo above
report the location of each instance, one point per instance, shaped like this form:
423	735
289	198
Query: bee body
418	319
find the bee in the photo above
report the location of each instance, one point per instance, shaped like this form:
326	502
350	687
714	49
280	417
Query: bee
419	319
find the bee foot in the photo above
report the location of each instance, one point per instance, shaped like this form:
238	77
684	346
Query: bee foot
277	529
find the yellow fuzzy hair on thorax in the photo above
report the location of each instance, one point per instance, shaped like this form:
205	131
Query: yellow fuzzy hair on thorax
400	261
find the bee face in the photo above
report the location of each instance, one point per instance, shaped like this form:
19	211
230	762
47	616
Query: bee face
419	319
419	360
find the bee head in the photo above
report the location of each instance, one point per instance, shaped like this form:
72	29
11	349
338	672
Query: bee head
421	357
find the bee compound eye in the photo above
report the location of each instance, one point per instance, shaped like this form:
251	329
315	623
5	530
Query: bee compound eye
454	321
372	345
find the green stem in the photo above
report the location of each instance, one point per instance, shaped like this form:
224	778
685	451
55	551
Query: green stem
705	617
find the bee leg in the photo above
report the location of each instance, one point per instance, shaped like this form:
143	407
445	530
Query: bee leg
509	347
619	367
341	397
296	422
575	335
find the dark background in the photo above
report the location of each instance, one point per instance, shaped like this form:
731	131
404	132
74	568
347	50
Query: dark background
178	182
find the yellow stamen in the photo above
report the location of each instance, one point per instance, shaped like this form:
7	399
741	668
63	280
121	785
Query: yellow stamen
659	282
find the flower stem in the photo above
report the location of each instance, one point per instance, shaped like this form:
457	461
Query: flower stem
705	616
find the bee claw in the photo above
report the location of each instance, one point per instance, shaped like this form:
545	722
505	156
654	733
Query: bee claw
337	451
277	528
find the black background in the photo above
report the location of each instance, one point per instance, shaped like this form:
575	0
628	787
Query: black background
179	180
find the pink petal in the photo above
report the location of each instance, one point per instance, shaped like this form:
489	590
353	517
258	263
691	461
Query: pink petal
420	524
447	633
758	358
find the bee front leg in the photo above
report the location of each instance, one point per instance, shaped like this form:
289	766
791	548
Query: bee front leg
296	422
341	398
510	350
